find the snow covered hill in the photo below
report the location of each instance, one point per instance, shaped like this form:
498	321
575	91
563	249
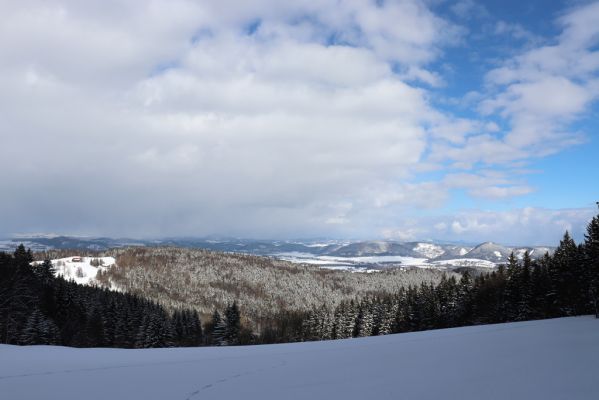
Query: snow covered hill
354	255
545	360
82	270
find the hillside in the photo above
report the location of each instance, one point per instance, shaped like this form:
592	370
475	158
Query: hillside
544	360
82	270
330	254
207	280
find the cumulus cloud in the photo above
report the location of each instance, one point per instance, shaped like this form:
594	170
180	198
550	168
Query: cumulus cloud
529	226
261	118
538	93
180	117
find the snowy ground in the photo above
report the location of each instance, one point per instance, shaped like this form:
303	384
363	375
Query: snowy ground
552	359
372	263
80	269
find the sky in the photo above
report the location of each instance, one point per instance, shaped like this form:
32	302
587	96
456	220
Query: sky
403	120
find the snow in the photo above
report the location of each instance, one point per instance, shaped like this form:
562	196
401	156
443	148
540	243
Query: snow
551	359
308	258
383	259
429	250
497	254
81	271
466	262
357	264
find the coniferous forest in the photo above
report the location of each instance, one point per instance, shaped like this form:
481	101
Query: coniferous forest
38	308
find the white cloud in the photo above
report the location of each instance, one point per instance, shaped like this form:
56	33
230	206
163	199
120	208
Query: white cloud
522	226
487	184
170	117
261	118
538	93
469	9
515	30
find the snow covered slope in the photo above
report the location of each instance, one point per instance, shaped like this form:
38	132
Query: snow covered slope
552	359
82	270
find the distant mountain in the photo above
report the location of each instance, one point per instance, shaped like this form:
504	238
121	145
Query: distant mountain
429	253
373	248
487	251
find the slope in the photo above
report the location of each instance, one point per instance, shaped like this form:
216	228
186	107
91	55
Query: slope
550	359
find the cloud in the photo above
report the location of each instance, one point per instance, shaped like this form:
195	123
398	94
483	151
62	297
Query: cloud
178	117
469	9
538	94
523	226
487	184
262	118
514	30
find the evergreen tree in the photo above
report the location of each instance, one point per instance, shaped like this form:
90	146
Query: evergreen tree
233	324
219	329
513	285
563	265
591	262
365	320
39	330
525	281
95	331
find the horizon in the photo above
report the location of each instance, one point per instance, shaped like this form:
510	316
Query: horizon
393	120
302	240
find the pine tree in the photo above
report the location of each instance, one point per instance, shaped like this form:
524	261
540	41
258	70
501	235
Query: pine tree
22	257
219	329
233	324
39	330
512	290
591	262
364	320
525	291
194	329
47	272
564	260
540	287
465	299
155	331
95	332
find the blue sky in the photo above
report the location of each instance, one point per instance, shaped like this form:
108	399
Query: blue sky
397	119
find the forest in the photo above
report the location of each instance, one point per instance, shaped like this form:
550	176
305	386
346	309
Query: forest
255	300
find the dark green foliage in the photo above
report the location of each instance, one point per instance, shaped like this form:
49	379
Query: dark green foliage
590	261
564	284
219	329
37	308
233	324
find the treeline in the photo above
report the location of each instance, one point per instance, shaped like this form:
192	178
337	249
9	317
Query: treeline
565	284
261	286
38	308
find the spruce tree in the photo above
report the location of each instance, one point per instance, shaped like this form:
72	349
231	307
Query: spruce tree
233	324
512	290
219	329
564	268
591	262
525	290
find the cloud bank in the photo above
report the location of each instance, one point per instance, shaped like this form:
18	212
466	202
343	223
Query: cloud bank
265	119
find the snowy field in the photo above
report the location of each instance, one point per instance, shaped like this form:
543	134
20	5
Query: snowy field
371	263
82	270
358	264
552	359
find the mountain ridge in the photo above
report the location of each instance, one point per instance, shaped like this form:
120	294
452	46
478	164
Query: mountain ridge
439	253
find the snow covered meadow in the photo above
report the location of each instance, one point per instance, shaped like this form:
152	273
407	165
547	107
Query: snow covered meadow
82	270
550	359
